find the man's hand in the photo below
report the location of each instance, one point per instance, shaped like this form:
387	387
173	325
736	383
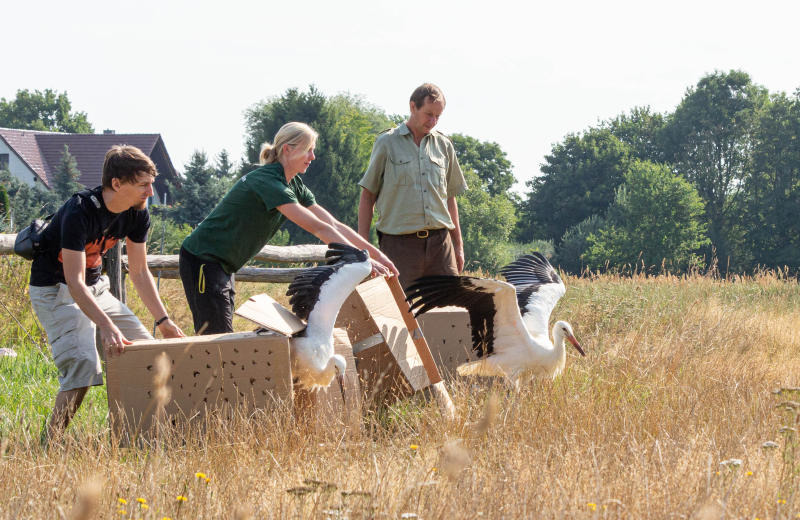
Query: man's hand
168	329
113	341
459	257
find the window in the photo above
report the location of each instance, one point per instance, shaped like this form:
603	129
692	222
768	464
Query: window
3	161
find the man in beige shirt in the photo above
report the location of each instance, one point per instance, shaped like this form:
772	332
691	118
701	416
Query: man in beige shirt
413	178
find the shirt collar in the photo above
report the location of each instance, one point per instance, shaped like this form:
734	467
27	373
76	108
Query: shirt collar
402	129
278	171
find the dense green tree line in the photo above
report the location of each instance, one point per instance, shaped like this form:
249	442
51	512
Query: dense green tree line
728	139
714	182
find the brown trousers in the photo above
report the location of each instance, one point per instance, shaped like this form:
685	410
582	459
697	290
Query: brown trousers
416	257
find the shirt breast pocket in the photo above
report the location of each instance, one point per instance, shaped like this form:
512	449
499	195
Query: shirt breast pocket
439	172
400	170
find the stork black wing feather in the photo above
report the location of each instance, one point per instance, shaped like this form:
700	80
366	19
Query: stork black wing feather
528	274
338	251
442	291
305	288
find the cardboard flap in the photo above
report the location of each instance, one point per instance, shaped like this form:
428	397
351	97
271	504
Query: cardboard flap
268	313
388	318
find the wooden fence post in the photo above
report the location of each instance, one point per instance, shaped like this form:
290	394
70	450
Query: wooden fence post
113	265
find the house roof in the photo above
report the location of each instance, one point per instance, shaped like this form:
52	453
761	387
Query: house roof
42	152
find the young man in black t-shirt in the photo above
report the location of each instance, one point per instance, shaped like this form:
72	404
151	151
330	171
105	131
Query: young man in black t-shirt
68	292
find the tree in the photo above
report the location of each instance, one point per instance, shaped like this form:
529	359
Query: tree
27	202
164	229
199	191
575	242
224	168
642	131
486	240
771	192
347	128
5	209
263	119
487	160
579	179
66	175
709	140
656	219
46	110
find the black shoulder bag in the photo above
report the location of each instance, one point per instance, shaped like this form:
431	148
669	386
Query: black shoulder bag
28	243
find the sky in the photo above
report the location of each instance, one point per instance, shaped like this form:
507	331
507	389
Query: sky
521	74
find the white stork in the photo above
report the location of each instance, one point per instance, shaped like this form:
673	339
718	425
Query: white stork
316	296
509	342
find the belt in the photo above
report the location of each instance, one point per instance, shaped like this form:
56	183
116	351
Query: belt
425	233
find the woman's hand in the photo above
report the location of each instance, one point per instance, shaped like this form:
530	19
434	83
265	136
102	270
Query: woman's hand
378	269
384	260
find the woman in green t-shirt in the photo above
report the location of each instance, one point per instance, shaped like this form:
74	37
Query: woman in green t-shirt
248	216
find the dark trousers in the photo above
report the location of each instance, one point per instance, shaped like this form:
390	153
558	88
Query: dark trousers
210	293
415	257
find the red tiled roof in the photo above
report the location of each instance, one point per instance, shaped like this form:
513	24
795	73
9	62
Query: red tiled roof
23	142
42	151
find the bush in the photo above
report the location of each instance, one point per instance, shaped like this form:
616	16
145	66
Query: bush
574	244
164	227
654	222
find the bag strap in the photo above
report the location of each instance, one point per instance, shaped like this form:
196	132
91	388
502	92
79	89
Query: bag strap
87	194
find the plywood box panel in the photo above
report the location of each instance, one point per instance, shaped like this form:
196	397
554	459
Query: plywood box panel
386	356
239	370
449	337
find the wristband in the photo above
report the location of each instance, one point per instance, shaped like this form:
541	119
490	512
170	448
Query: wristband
162	320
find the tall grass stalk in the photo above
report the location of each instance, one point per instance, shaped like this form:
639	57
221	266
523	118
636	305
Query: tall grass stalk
667	417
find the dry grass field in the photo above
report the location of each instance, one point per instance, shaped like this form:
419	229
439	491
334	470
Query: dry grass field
666	417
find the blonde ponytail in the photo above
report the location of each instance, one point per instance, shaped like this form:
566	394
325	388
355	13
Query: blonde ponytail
267	154
294	134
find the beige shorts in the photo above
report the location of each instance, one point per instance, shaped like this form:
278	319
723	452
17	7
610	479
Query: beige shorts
72	334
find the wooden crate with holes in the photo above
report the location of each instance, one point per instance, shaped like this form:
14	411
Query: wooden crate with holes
449	336
236	371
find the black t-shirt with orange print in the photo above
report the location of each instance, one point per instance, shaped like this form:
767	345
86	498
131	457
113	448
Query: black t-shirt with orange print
84	223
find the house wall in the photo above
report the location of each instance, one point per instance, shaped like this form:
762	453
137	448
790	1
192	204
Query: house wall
15	165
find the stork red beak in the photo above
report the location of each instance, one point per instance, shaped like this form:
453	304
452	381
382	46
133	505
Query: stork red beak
575	344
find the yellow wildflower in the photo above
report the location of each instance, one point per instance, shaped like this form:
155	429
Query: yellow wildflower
749	473
781	501
122	501
200	475
144	506
122	512
181	498
208	479
592	506
414	447
141	500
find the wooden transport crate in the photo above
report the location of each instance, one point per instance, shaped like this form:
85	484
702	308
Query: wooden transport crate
244	371
449	336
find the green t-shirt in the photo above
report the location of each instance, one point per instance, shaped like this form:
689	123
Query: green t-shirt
246	218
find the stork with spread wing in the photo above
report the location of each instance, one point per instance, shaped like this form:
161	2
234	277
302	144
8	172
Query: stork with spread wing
509	320
316	296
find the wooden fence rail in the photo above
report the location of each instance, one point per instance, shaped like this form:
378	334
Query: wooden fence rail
167	265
